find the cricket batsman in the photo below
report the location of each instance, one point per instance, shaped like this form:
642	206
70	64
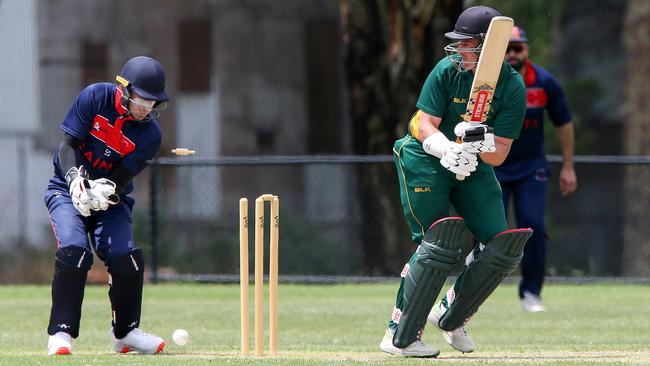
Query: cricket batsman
434	171
110	133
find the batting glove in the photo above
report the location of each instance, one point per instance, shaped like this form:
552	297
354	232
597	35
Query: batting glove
476	137
459	161
452	156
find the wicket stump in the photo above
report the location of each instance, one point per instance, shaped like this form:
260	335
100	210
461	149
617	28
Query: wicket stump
274	228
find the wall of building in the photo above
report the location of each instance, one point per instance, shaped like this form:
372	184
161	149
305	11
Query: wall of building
23	217
241	76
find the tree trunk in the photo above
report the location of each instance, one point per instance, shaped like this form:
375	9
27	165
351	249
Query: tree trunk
636	231
388	49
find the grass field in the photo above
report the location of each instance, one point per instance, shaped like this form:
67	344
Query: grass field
607	324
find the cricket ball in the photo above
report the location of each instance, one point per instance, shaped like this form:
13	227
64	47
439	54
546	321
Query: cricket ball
181	337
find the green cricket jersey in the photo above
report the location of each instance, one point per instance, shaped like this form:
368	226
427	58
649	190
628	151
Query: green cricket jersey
427	188
445	94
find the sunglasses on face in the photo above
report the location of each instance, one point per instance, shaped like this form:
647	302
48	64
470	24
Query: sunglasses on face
517	48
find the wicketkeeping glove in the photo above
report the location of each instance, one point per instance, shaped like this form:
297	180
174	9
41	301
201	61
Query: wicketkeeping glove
77	183
86	194
102	193
476	137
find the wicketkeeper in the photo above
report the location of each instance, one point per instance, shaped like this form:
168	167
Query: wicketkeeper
429	165
111	133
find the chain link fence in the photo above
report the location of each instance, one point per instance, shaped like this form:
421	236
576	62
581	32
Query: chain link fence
341	216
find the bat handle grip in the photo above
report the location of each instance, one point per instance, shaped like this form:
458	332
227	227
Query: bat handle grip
460	177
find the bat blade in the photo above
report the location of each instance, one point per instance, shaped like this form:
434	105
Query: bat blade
488	69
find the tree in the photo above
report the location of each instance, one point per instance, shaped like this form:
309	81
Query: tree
389	46
636	233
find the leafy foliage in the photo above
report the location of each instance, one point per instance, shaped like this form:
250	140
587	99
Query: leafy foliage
537	18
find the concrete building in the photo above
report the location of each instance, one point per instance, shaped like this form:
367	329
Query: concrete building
246	78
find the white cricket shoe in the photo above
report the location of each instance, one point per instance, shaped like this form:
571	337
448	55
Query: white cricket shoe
532	303
457	338
138	341
415	349
59	344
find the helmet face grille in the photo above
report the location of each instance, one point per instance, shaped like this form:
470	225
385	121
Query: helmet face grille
452	49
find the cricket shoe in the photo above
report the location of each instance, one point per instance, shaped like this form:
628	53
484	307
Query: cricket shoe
59	344
532	303
415	349
138	341
456	338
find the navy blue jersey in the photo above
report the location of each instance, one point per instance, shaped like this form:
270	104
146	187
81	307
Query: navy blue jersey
527	153
108	138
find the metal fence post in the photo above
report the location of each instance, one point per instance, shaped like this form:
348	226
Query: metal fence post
22	190
153	221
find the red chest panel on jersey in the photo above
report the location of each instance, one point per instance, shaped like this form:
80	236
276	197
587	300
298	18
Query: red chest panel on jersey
112	136
536	97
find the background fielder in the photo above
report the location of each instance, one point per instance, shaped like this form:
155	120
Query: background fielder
524	174
110	135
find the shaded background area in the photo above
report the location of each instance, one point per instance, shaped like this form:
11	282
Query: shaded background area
267	78
322	236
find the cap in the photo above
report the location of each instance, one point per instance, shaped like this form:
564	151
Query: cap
518	35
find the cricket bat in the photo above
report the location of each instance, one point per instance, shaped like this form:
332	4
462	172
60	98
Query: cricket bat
488	70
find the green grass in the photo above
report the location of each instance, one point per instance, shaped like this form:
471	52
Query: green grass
341	324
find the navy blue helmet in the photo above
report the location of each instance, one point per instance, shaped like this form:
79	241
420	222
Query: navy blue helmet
473	23
146	77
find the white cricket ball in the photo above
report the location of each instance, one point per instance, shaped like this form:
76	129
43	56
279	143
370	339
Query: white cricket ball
181	337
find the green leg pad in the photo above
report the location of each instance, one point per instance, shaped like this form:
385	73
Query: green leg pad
498	259
436	257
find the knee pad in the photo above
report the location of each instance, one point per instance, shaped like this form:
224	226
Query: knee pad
435	258
131	262
75	257
498	259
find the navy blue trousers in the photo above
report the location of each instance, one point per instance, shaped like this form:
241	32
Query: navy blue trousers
529	202
109	231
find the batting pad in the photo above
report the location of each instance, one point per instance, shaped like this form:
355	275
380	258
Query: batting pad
436	257
500	257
